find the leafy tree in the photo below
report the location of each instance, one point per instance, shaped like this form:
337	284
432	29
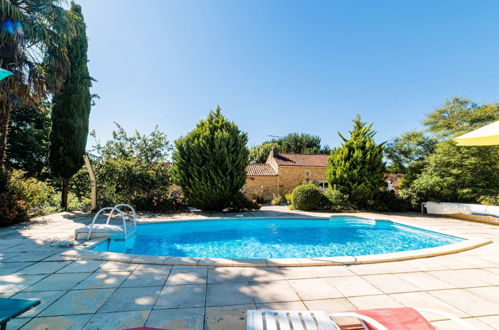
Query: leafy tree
357	168
152	148
456	174
435	168
28	141
458	116
411	147
260	153
294	143
300	143
210	163
13	208
129	169
33	47
70	113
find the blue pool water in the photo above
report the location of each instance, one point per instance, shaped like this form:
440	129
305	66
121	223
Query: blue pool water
276	238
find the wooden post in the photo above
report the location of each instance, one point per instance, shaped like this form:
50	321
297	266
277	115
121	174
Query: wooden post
93	182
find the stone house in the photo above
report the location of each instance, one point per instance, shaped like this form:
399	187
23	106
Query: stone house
281	173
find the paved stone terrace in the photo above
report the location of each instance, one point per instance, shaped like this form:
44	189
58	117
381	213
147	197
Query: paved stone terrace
112	295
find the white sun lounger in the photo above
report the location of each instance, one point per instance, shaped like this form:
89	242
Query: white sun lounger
319	320
298	320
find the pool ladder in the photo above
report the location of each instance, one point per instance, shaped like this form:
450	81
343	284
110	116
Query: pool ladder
112	210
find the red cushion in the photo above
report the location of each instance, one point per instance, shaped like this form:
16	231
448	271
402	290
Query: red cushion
405	318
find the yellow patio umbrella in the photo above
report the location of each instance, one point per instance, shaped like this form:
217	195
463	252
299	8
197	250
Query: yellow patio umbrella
484	136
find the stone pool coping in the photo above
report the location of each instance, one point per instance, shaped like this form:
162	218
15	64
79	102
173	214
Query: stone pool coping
81	250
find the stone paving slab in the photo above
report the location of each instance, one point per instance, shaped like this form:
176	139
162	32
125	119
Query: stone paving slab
458	279
424	299
227	317
186	318
379	301
424	281
25	256
18	282
78	302
314	288
223	294
103	280
287	305
188	275
58	282
181	296
338	304
46	298
141	278
44	267
17	323
389	283
466	301
351	286
13	267
81	266
117	320
113	266
278	291
491	321
68	322
131	299
475	323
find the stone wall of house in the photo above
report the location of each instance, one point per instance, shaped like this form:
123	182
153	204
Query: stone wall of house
292	176
262	186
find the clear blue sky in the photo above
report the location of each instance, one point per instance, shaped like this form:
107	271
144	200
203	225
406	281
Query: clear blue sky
277	67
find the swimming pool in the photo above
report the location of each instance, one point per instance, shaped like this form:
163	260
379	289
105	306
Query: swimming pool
276	238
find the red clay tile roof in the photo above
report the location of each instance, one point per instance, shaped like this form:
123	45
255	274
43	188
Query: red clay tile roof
260	170
301	160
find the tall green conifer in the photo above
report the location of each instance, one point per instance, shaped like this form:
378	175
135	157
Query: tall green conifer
71	112
357	168
210	163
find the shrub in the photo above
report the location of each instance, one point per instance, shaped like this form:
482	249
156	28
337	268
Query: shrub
289	198
335	200
40	197
261	200
131	181
277	200
160	201
210	163
13	208
240	203
307	197
489	200
385	200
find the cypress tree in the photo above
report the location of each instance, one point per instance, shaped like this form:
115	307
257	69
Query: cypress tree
210	163
71	111
357	168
